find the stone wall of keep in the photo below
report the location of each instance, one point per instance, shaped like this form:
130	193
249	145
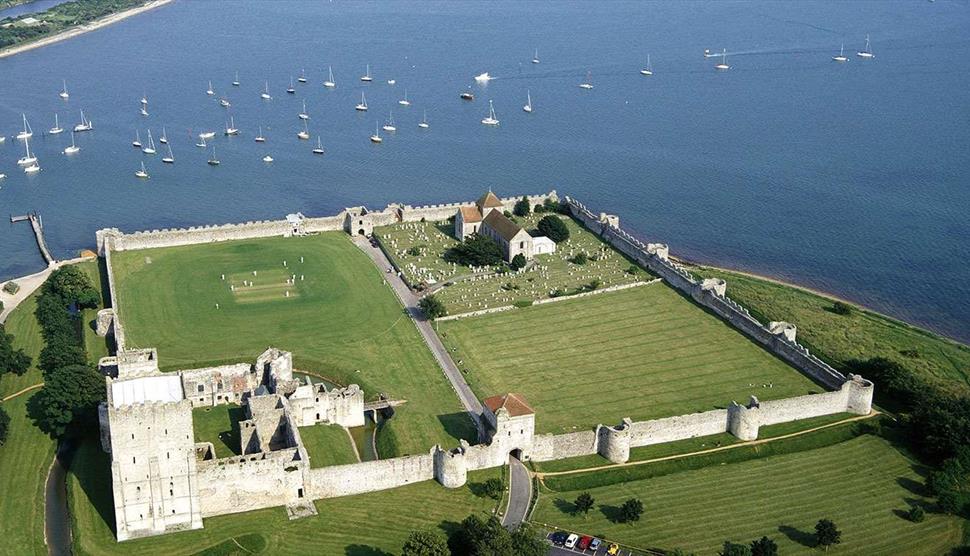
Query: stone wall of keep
251	482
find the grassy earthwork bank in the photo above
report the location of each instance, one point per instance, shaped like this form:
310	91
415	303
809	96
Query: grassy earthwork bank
642	353
862	484
339	319
367	524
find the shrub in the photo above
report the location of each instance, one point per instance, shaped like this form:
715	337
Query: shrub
521	207
425	543
584	503
633	269
518	262
593	285
508	214
493	488
538	209
764	547
631	510
548	205
414	251
432	307
840	308
553	228
734	549
4	425
827	534
476	250
916	514
523	303
11	287
580	259
11	360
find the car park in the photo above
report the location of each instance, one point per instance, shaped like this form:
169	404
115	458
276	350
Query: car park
571	540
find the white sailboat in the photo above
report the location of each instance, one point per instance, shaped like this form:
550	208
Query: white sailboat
483	77
32	169
27	132
290	89
209	91
304	133
723	65
376	138
201	144
85	124
528	102
302	78
588	84
224	102
137	142
490	119
265	94
144	99
213	161
319	148
362	105
329	83
144	110
207	134
28	158
259	137
57	127
535	57
391	81
366	77
267	159
841	57
235	82
150	149
73	148
303	115
647	70
404	101
389	125
64	94
143	173
424	121
164	138
170	159
867	53
231	127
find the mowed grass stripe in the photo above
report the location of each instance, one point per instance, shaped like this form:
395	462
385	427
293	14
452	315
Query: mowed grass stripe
859	484
642	353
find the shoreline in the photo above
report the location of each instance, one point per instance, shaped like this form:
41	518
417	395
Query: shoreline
81	29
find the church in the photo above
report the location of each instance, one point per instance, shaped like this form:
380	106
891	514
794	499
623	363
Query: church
486	217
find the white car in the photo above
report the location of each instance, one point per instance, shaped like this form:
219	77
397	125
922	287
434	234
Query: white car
571	540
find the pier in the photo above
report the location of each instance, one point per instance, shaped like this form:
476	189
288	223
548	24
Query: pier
38	226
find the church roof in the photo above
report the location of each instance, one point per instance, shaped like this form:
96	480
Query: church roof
489	200
470	214
515	404
504	227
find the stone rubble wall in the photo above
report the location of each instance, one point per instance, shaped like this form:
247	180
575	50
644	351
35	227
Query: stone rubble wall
243	483
368	476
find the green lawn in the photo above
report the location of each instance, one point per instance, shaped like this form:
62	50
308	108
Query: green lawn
328	445
26	332
340	321
641	353
220	426
364	525
863	485
861	335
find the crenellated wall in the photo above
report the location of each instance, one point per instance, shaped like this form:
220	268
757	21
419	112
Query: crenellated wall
250	482
368	476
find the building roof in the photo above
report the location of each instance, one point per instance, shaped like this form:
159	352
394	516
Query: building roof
515	404
470	214
165	388
504	227
489	200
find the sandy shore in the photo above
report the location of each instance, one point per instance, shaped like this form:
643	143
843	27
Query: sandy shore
81	29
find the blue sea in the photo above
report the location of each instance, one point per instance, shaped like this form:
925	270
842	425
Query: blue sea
850	178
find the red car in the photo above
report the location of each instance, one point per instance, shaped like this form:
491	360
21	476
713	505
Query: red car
584	543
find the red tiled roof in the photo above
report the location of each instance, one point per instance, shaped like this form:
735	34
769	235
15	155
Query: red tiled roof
514	403
489	200
470	214
504	227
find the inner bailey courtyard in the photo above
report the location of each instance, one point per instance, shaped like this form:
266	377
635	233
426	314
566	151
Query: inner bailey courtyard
204	316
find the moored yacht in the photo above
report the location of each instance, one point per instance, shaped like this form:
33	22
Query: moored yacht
290	89
389	125
267	159
376	138
404	101
362	105
73	148
137	142
265	94
85	124
303	115
28	159
170	158
164	138
329	83
231	127
64	94
588	84
319	148
235	82
27	132
424	121
490	119
143	173
841	57
302	78
723	65
867	53
647	70
150	149
366	77
535	57
57	127
213	161
259	136
528	102
304	133
210	91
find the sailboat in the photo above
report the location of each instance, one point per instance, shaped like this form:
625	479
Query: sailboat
303	115
27	132
404	101
207	134
63	94
28	159
164	138
841	57
535	57
867	53
231	127
143	173
647	70
259	137
366	76
362	105
170	159
329	83
723	65
57	127
290	89
588	84
490	119
376	138
528	102
144	110
235	82
319	147
304	133
32	169
209	91
213	161
201	144
302	78
144	99
224	102
73	148
389	125
150	149
85	124
265	94
137	142
424	121
267	159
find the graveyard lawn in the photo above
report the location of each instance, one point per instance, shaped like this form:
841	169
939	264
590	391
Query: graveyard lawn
340	321
643	353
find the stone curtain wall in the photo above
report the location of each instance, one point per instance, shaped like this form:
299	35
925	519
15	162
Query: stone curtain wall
116	328
244	483
356	478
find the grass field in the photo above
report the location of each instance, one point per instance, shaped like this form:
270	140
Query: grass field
641	353
861	335
372	524
328	445
341	322
863	485
220	426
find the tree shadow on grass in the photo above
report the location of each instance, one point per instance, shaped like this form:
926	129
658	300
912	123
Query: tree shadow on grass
912	486
91	468
564	506
611	513
364	550
803	538
459	426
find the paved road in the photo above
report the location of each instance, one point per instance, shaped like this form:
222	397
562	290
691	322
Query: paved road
28	284
426	328
520	494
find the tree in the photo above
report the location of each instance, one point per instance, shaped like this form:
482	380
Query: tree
631	510
518	262
476	250
553	228
493	488
764	547
11	360
4	425
579	258
521	207
59	353
916	514
425	543
70	395
827	534
528	542
734	549
71	284
840	308
584	503
432	307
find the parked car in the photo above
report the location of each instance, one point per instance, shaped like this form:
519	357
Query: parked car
571	540
595	544
613	550
583	543
558	538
